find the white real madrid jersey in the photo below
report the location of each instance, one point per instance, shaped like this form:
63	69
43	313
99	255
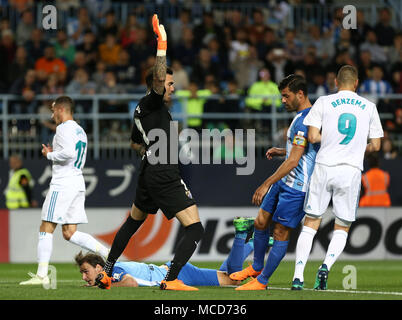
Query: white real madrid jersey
68	156
347	120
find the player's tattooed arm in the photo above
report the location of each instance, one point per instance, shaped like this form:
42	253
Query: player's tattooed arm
159	74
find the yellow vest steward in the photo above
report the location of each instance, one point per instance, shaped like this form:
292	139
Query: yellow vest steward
15	195
193	106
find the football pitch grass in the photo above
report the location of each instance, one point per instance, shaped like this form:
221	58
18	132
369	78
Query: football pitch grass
377	280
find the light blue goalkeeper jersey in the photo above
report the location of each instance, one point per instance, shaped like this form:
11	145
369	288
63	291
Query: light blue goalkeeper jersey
146	275
299	177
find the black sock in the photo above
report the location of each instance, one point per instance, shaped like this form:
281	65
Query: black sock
120	242
185	249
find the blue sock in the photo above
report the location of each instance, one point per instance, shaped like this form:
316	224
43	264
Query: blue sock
238	254
275	257
260	247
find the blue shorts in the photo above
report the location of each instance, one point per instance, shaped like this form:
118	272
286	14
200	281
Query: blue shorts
285	204
194	276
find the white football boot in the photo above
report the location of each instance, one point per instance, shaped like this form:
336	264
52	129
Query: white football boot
35	280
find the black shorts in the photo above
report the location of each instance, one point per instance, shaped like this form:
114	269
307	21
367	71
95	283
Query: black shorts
163	190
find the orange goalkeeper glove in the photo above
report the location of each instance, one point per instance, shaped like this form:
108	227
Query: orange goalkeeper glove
159	30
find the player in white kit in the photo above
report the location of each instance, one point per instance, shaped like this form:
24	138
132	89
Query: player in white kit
64	203
344	123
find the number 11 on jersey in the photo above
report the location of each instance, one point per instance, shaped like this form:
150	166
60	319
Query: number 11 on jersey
80	146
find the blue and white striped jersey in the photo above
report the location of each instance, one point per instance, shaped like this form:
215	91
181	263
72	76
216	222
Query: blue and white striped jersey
299	177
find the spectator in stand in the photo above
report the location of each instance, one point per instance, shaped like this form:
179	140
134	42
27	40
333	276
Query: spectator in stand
359	34
325	49
219	56
278	64
203	66
208	29
388	150
27	87
63	48
25	27
109	26
378	53
21	5
50	64
140	51
99	75
376	85
19	67
384	31
234	20
345	43
329	87
364	66
332	29
186	51
246	70
109	51
395	52
129	31
77	27
268	42
36	45
293	47
125	72
257	28
110	86
8	46
239	47
177	26
180	75
264	86
53	86
89	47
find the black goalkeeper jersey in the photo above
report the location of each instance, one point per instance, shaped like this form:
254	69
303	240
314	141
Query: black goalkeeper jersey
152	113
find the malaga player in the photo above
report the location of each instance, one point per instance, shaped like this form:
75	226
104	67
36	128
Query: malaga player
159	185
281	196
64	203
136	274
343	123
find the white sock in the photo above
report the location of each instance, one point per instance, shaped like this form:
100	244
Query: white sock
45	247
88	242
335	248
303	248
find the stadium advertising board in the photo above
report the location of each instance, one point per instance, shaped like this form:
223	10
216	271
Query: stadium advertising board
377	235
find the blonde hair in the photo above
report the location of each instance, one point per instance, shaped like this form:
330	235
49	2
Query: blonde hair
347	75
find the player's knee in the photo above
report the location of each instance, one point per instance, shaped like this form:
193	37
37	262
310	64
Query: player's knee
281	233
261	222
67	234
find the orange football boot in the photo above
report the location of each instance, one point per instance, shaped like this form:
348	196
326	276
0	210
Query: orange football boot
176	285
244	274
252	285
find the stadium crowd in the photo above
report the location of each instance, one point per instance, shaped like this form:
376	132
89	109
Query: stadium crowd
231	57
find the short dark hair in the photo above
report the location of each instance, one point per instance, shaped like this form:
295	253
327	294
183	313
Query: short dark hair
92	258
347	75
66	102
295	83
149	78
373	160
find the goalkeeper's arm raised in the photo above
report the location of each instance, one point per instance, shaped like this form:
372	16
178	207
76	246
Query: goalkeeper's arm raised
159	73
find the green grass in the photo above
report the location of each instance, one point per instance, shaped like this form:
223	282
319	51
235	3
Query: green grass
373	276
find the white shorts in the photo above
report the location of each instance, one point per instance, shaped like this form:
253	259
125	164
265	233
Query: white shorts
341	183
64	207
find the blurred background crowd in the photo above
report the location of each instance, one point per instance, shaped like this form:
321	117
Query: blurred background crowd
222	54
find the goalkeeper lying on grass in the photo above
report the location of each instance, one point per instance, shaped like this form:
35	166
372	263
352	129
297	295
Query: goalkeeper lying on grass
134	274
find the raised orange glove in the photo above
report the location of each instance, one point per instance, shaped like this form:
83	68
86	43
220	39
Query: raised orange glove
159	30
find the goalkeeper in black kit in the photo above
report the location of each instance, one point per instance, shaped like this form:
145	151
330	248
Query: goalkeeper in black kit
159	185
